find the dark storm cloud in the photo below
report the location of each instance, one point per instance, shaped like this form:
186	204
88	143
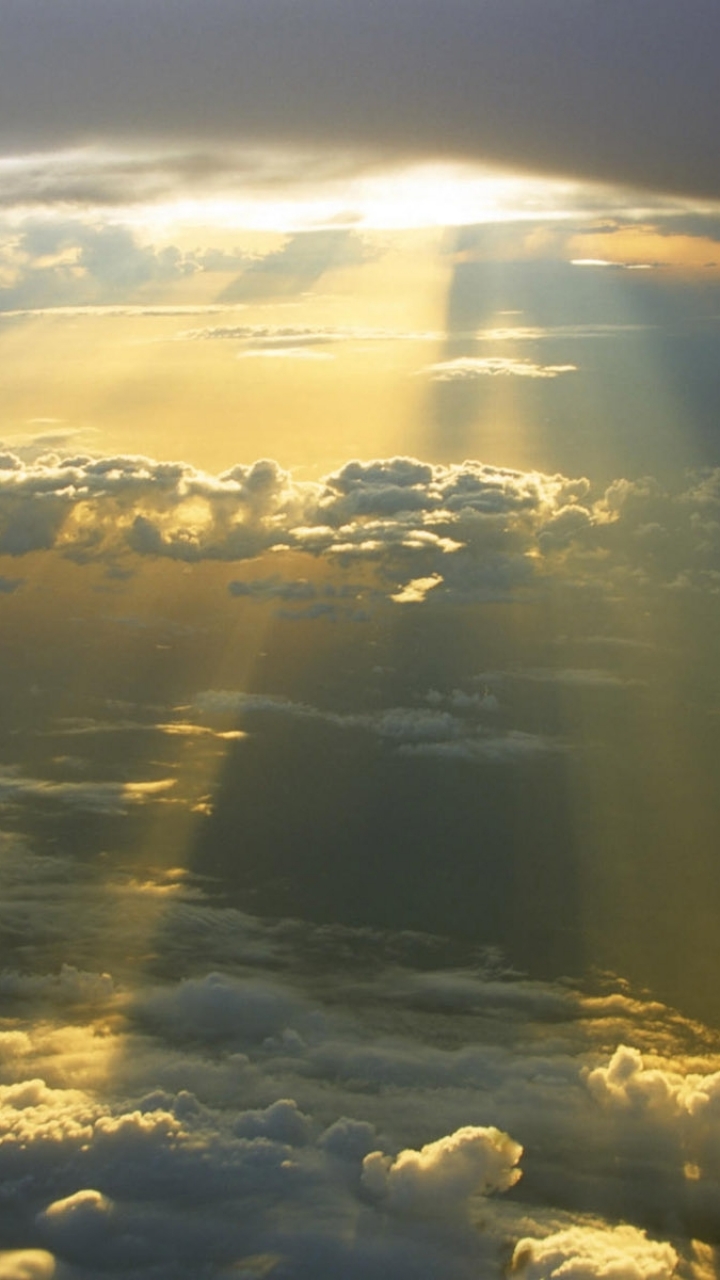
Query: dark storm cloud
616	91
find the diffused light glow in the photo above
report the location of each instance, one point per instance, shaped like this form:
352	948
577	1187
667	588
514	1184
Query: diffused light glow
438	195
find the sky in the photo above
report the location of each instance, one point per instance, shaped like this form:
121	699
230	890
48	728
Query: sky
360	587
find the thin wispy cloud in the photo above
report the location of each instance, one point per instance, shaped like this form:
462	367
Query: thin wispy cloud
469	368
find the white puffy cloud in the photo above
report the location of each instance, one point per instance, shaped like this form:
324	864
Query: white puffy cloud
626	1082
349	1139
442	1175
595	1253
32	1114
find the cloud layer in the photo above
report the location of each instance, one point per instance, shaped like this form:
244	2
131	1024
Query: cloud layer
623	93
245	1122
425	533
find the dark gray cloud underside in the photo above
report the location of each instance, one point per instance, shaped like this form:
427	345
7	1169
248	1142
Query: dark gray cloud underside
624	90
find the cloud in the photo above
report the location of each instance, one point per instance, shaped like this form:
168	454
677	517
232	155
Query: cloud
269	337
423	79
291	1112
217	1008
416	590
282	1121
295	267
286	353
105	177
274	589
627	1083
592	1253
413	731
573	677
469	368
481	533
26	1264
69	262
81	727
68	987
514	745
91	797
444	1174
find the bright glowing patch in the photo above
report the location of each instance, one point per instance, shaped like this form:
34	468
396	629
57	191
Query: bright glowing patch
416	590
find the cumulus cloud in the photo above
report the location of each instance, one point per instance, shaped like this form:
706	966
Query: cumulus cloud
282	1121
217	1008
69	986
595	1253
626	1082
479	532
473	525
444	1174
246	1116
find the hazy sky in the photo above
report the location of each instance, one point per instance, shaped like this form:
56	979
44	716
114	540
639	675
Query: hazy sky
359	603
